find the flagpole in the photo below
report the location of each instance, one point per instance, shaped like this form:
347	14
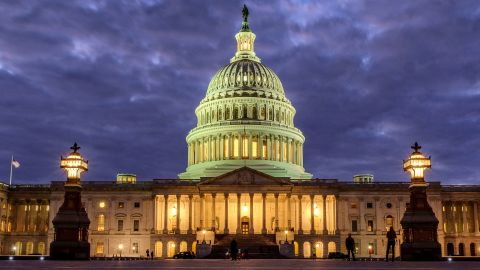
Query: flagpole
11	170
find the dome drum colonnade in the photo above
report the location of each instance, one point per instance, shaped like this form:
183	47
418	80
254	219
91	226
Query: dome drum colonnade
245	119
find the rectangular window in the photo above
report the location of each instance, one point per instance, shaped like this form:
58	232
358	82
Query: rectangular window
353	206
101	223
225	147
354	226
235	147
100	247
370	226
264	149
255	147
369	205
136	225
121	204
245	147
135	248
136	204
120	225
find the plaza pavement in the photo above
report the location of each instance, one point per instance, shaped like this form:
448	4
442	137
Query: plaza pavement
240	265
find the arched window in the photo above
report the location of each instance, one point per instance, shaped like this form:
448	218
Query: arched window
158	249
101	223
220	116
208	118
227	113
170	249
235	112
450	249
461	249
18	248
254	112
319	250
183	246
270	114
472	249
41	248
295	248
29	249
262	113
307	250
332	247
245	111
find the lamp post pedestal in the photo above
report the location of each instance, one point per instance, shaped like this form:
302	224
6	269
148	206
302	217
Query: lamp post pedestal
419	226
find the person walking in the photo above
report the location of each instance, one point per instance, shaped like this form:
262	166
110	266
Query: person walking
234	249
151	254
148	254
392	237
350	244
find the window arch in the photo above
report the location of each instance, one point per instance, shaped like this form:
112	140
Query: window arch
307	250
254	112
332	247
227	113
29	248
319	250
41	248
472	249
461	249
158	249
170	249
183	246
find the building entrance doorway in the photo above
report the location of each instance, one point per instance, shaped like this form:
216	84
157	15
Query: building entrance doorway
245	225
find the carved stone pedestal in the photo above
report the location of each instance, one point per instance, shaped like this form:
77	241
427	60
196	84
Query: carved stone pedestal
71	228
419	226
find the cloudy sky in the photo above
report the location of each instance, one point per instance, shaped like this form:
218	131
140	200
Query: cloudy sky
122	78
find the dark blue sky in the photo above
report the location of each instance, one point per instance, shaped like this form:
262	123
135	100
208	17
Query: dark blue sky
122	78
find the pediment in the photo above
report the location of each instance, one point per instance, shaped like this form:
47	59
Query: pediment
245	176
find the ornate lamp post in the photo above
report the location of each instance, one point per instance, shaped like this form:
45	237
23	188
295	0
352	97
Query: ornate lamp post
71	222
419	223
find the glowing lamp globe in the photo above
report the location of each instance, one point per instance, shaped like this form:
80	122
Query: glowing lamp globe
416	164
75	165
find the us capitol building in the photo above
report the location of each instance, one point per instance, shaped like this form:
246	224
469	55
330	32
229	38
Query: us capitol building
244	180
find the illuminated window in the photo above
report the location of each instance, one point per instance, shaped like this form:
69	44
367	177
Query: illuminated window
121	205
264	149
100	248
225	146
4	206
29	250
245	147
41	248
369	225
2	227
101	205
101	222
255	147
135	248
48	208
388	222
235	147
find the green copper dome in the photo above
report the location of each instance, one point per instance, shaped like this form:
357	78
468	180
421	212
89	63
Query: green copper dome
245	119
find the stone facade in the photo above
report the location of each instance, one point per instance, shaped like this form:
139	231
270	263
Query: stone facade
128	219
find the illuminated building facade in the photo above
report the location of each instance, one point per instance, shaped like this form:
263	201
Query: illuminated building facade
244	176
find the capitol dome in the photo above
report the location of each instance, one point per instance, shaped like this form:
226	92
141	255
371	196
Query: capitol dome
245	119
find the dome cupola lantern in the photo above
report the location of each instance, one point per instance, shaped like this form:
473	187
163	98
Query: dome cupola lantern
245	41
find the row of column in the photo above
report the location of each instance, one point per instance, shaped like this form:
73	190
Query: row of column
251	217
245	146
460	207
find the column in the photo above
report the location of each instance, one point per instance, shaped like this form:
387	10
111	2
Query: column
269	148
281	142
155	214
250	227
324	214
225	231
264	218
464	217
312	214
178	214
300	225
165	214
240	146
230	146
276	212
220	152
289	157
260	146
239	197
475	216
214	227
337	203
289	212
294	152
202	206
378	226
190	218
209	148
